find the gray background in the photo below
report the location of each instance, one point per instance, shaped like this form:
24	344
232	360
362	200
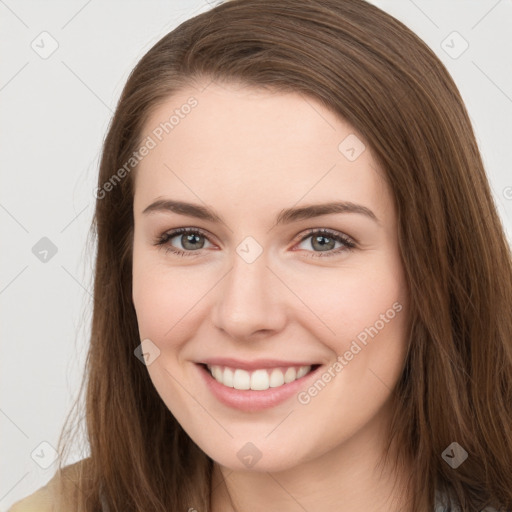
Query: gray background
55	113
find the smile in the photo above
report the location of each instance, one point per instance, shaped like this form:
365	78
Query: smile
255	389
259	379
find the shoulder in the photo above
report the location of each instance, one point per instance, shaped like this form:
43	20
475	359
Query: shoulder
39	501
45	498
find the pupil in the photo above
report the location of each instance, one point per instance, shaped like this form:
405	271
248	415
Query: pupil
191	239
323	244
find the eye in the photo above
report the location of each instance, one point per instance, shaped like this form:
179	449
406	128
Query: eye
189	238
192	241
324	240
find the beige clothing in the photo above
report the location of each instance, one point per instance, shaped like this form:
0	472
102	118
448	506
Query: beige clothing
44	499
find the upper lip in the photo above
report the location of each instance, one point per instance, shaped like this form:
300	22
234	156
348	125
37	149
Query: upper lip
253	364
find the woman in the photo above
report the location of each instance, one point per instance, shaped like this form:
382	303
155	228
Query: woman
302	290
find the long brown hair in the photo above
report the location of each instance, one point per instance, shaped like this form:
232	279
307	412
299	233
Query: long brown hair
379	76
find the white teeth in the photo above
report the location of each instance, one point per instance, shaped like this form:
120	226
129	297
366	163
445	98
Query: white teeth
227	377
290	375
276	378
217	372
241	379
302	371
258	380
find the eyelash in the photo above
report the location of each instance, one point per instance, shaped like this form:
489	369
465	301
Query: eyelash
349	244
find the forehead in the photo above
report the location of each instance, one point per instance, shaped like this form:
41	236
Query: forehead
237	146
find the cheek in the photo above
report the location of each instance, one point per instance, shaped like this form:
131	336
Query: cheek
342	304
158	302
167	299
368	313
363	319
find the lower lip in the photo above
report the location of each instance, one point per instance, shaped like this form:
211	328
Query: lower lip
252	400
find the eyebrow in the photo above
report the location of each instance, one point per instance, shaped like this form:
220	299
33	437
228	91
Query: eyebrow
286	216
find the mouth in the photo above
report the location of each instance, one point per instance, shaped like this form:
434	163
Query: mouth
258	389
259	379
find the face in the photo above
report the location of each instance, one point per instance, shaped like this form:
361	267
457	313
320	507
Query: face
260	284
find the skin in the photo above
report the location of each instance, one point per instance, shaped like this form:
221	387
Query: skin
248	154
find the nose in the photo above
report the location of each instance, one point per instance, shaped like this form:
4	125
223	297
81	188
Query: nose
249	302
